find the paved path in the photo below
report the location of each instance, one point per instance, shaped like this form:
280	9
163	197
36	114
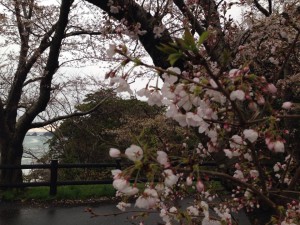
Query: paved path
14	214
11	214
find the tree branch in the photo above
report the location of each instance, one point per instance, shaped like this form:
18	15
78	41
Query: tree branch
76	114
246	185
134	13
270	6
262	9
209	7
287	57
31	81
295	179
74	33
52	64
2	124
185	10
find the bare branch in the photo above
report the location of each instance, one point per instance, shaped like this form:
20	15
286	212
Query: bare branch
74	33
211	12
31	81
287	57
137	14
295	179
194	22
50	69
262	9
76	114
243	184
270	6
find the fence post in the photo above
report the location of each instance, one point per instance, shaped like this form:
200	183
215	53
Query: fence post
118	162
53	177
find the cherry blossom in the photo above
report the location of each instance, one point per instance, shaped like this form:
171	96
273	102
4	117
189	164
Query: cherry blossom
123	205
271	88
134	153
143	92
129	191
148	199
116	173
278	146
193	119
120	184
213	83
157	30
239	175
287	105
122	85
233	84
162	158
114	153
248	156
165	217
155	98
251	135
170	178
228	153
170	78
236	141
111	51
277	167
237	95
192	211
232	109
260	100
254	173
200	186
189	181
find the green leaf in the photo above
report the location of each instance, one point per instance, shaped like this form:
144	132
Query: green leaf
203	37
167	49
225	57
174	57
137	62
189	39
181	44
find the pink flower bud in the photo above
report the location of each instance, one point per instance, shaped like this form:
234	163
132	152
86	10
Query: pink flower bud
252	106
260	100
271	88
162	158
278	146
287	105
200	186
114	153
189	181
270	145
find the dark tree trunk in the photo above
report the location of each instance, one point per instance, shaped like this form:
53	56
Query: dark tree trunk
261	216
13	130
11	154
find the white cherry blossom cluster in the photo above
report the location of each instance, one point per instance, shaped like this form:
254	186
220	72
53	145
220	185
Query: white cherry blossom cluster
233	111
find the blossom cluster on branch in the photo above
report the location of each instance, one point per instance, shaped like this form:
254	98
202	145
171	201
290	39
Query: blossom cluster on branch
239	113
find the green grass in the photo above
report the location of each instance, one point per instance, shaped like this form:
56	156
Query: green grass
76	192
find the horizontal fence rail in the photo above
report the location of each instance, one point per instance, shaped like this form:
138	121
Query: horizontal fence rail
54	166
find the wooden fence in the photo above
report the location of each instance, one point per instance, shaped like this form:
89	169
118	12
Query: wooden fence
53	167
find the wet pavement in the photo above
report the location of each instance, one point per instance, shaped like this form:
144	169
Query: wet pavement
16	214
13	214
